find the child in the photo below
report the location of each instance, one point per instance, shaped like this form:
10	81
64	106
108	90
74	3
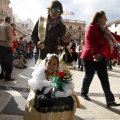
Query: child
18	63
65	101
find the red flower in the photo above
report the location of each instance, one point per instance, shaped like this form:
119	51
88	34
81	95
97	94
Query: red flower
60	74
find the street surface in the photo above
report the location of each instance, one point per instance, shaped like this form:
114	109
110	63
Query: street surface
13	95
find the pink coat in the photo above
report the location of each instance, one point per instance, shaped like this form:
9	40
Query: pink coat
95	42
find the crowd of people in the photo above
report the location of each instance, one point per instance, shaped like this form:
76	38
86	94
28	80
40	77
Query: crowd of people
89	53
49	98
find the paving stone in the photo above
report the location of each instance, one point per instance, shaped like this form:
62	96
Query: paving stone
90	110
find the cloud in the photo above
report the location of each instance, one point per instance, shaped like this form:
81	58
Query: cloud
83	9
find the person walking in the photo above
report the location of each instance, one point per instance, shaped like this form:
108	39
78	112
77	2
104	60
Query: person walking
97	37
6	55
55	32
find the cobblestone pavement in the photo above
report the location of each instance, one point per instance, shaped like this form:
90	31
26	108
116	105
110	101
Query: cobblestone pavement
13	95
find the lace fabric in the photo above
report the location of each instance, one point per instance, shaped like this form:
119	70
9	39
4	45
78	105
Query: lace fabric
44	103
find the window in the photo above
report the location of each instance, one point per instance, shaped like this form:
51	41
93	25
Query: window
24	25
70	27
79	28
116	24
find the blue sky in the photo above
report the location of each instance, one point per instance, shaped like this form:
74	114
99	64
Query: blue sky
83	9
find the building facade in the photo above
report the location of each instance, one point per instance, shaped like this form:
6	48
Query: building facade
24	28
5	10
114	27
27	26
76	28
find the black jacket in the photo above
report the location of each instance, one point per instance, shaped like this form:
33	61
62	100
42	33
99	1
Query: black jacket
51	40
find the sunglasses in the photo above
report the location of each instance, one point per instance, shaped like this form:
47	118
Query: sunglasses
56	10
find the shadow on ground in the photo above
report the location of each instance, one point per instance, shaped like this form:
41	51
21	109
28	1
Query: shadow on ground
115	110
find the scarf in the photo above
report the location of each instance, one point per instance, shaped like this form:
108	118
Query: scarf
53	23
108	36
42	27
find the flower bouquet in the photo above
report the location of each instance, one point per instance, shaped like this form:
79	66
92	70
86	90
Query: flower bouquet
59	81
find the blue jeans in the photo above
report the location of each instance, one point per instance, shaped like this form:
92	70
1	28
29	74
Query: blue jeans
101	68
36	57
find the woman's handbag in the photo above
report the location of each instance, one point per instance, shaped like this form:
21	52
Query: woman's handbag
66	57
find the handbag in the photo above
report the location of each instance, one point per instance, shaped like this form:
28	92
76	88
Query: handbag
66	57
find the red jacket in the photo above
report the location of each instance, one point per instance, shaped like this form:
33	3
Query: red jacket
14	43
95	42
14	46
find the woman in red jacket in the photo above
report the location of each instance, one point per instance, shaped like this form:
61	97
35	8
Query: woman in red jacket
14	43
97	37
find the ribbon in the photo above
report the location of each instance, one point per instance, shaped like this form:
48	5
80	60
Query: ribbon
58	83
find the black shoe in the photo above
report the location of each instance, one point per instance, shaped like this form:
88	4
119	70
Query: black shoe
81	69
109	104
74	67
9	79
86	97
